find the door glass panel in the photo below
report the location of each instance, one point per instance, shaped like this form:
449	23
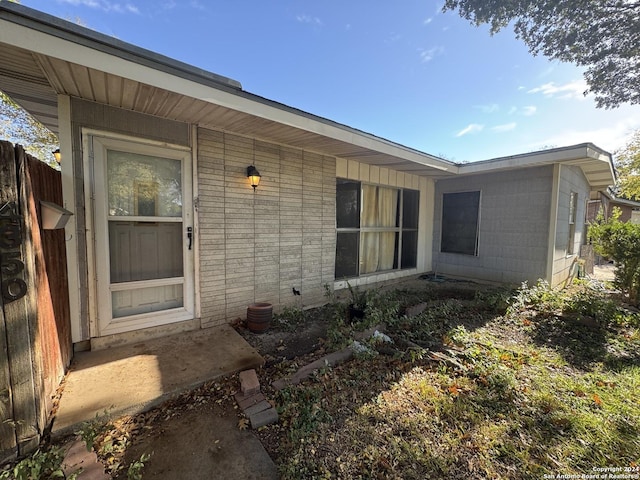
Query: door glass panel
145	250
146	300
143	185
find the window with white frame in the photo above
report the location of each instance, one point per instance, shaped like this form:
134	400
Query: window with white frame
377	228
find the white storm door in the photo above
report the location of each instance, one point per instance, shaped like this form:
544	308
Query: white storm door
143	235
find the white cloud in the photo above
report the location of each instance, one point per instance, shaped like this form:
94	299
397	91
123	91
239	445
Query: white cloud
573	89
527	110
471	128
309	19
86	3
611	137
490	108
507	127
105	5
428	21
430	54
547	72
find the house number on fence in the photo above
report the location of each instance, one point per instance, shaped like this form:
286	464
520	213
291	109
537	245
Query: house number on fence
11	264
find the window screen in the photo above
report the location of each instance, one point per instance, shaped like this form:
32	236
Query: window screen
410	205
460	215
347	204
347	244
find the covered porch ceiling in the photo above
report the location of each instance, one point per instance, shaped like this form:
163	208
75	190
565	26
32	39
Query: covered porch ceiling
42	56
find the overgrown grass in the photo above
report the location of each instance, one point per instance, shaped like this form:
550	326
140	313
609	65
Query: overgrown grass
544	384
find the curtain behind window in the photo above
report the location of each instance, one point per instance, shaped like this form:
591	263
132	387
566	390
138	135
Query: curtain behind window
379	210
369	242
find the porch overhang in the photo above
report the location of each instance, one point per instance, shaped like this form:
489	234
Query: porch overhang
595	163
42	57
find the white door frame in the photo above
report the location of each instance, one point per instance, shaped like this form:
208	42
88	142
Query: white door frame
97	232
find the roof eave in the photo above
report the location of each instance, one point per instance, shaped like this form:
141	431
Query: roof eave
596	163
140	65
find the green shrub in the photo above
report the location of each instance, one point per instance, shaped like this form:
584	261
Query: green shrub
620	242
539	296
589	302
43	464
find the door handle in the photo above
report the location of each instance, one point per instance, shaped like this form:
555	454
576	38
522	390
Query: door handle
190	236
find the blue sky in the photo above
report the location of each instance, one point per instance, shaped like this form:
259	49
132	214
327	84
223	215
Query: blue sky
401	70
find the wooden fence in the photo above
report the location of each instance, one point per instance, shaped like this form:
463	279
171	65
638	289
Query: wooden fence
35	338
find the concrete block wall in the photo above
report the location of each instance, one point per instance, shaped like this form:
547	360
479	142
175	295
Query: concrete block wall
257	246
514	225
353	170
571	179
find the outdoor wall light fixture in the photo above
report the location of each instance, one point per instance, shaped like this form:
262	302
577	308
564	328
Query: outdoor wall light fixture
254	176
57	155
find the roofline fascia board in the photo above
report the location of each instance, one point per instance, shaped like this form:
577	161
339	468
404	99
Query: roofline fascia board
555	155
69	48
621	201
544	157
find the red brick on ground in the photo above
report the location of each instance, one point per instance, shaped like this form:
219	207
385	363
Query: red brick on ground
249	383
266	417
246	401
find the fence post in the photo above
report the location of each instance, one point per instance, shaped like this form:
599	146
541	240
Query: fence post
18	304
8	439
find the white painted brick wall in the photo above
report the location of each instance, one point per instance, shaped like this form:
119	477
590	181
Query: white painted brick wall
256	247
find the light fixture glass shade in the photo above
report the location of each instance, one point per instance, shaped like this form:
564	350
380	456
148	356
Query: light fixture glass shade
57	155
254	176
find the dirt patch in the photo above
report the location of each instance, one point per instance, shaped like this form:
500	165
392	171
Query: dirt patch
278	344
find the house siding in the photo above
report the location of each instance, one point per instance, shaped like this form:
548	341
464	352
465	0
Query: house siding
571	179
257	246
513	225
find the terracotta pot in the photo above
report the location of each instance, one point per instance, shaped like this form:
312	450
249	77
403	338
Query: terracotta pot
259	317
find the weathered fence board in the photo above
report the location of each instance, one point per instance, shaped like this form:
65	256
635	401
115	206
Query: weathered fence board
8	441
18	317
35	343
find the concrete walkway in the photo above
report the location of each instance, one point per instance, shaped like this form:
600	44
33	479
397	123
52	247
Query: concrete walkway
604	272
134	378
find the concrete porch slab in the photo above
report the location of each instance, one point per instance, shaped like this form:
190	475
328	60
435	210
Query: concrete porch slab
134	378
